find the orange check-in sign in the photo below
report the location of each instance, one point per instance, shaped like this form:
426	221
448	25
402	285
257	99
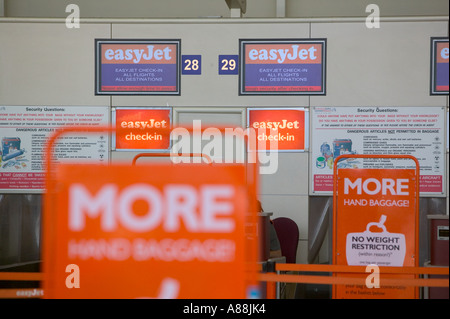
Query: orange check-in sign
142	128
375	225
279	129
159	231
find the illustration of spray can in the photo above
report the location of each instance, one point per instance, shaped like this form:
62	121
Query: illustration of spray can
325	149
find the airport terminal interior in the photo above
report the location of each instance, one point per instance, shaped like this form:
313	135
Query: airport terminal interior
143	134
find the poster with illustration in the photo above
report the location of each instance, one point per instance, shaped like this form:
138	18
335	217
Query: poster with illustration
25	131
137	67
416	131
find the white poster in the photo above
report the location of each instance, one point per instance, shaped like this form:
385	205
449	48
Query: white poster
25	130
416	131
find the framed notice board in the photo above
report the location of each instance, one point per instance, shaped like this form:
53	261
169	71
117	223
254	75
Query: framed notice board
137	67
282	66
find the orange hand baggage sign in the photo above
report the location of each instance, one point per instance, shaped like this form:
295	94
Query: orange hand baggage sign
159	231
375	223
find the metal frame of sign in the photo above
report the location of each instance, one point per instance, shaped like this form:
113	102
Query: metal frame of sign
433	75
306	128
242	65
98	64
113	121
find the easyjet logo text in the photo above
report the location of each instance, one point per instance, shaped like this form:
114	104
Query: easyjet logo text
208	208
291	53
135	55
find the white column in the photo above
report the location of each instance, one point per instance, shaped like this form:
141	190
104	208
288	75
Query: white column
281	9
237	7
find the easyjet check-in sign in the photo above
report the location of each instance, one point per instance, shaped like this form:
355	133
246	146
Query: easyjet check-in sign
142	128
156	231
281	129
375	225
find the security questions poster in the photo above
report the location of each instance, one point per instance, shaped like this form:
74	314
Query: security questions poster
24	133
416	131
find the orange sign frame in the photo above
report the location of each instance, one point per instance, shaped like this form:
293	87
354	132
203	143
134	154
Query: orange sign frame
376	222
112	271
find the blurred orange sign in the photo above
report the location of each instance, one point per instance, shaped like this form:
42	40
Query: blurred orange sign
375	225
142	128
159	231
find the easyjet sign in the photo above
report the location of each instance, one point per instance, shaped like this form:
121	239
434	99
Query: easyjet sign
142	128
176	225
280	129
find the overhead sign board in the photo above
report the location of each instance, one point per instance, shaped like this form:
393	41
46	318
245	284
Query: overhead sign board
416	131
282	66
137	67
439	66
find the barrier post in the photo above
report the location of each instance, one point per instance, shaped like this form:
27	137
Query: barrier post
271	286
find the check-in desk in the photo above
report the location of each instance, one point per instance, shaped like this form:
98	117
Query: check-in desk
264	249
264	235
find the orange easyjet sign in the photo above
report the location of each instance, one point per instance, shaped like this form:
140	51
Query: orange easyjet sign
375	224
159	231
279	129
142	128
